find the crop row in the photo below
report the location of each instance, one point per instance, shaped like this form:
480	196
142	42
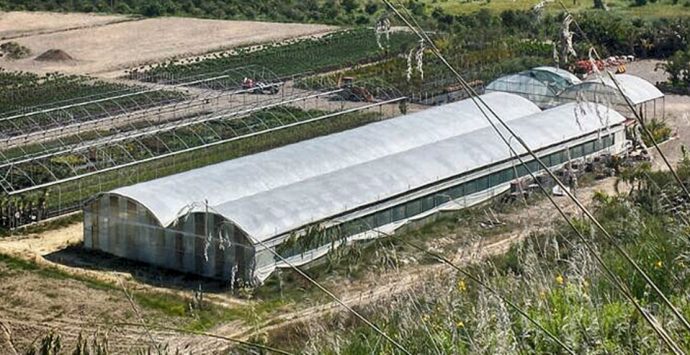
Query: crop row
318	54
483	64
70	195
22	93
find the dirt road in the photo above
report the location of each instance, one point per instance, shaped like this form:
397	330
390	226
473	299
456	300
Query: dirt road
374	287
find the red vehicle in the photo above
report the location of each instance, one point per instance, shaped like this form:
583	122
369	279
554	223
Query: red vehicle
585	66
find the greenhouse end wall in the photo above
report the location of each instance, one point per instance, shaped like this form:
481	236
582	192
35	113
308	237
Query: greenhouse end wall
119	226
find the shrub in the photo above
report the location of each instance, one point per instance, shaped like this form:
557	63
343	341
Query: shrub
659	130
14	50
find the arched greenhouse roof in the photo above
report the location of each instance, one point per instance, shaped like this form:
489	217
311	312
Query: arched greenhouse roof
569	77
278	191
520	83
636	89
269	171
290	207
540	85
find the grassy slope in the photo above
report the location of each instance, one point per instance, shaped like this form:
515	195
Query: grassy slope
555	280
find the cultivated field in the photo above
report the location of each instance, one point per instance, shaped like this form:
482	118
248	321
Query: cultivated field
50	284
118	46
15	24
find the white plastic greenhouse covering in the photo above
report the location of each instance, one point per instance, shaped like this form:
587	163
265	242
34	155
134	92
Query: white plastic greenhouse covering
281	210
568	76
272	193
636	89
250	176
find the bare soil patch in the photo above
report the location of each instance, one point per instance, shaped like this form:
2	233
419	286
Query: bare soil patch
123	45
16	24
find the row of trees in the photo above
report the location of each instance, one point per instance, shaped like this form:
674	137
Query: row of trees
22	210
328	11
643	37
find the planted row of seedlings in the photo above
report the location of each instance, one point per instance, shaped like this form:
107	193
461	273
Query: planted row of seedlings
33	103
295	57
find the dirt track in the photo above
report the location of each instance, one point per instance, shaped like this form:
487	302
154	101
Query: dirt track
371	288
117	46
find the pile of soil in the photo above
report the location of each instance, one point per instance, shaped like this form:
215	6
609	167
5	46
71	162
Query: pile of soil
54	55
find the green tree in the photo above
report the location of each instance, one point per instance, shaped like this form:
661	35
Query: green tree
678	68
350	5
152	9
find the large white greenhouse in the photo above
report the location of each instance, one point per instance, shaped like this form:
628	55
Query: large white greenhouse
228	220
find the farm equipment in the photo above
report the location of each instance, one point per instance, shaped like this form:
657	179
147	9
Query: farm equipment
351	92
260	87
585	66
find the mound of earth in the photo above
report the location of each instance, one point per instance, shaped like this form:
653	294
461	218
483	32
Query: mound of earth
54	55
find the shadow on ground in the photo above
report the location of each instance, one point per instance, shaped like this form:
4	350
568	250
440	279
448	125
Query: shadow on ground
79	257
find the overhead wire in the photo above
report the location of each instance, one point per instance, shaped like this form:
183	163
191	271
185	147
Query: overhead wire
482	284
630	105
323	289
475	97
473	94
668	164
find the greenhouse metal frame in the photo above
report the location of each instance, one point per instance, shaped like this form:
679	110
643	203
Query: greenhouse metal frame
54	157
230	219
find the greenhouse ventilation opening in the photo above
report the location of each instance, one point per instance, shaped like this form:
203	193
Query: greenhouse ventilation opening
303	200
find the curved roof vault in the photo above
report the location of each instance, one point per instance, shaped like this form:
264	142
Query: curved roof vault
290	207
275	192
251	175
636	89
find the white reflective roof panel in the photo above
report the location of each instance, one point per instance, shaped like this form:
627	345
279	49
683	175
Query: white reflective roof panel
290	207
251	175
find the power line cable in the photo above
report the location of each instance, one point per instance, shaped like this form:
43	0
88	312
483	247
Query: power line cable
611	240
333	296
631	106
475	97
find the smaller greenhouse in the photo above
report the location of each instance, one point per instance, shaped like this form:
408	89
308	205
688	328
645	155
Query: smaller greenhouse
539	85
646	99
